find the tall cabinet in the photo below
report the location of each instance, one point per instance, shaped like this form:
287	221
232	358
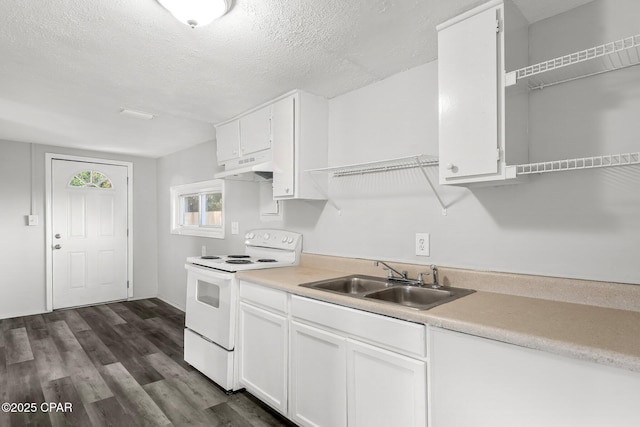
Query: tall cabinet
300	135
477	141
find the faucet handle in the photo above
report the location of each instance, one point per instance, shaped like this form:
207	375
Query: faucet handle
421	278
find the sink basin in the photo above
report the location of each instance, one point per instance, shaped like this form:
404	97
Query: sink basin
350	285
411	296
389	292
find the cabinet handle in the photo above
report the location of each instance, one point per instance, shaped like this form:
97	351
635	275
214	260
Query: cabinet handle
450	166
286	190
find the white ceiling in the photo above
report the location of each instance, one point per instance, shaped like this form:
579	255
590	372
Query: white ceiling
67	67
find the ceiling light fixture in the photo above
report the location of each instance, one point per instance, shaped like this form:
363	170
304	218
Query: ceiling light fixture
196	13
136	114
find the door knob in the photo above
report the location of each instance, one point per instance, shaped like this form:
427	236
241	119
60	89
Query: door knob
57	247
57	236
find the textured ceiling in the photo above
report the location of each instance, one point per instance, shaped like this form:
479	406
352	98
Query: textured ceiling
67	67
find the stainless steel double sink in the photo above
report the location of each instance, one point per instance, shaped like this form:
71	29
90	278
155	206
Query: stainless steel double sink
389	291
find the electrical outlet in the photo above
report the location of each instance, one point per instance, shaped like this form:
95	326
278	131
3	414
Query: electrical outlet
204	250
422	244
235	228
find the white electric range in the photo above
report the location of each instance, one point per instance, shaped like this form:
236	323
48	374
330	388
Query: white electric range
212	300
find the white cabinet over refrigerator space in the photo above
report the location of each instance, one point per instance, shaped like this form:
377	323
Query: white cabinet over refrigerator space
481	130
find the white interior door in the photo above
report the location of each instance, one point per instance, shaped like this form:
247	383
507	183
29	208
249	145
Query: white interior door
89	232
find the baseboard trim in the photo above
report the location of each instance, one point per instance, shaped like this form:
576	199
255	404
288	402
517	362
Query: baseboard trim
22	314
171	303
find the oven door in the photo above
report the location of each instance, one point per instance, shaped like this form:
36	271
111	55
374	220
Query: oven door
211	304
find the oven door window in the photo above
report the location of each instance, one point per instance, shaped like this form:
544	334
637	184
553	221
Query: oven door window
208	293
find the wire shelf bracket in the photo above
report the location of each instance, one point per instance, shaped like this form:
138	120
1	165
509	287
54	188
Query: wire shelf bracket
600	59
420	161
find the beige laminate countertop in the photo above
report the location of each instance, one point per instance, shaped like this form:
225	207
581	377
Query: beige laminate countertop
603	335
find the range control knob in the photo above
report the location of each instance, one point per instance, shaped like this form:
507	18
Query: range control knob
284	240
290	240
266	236
249	236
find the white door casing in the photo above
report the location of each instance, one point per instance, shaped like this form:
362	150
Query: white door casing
88	233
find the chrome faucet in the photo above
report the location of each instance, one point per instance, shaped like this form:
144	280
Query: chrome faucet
435	284
401	275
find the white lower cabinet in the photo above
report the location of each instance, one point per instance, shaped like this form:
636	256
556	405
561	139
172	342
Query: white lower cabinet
384	388
262	348
325	365
354	368
318	377
478	382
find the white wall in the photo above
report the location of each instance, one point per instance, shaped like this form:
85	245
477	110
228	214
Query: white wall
583	224
22	255
241	204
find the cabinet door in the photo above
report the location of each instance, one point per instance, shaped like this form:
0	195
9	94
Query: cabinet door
228	141
255	131
262	352
283	130
385	388
468	81
477	382
318	377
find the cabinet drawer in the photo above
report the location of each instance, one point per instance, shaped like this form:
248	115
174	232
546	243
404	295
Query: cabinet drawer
397	335
263	296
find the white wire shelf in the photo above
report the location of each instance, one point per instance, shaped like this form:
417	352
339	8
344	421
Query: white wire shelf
402	163
606	161
607	57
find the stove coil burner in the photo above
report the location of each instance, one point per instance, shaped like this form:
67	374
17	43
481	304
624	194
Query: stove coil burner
209	257
238	256
239	261
267	260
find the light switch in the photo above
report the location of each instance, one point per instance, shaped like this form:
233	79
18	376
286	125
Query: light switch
235	228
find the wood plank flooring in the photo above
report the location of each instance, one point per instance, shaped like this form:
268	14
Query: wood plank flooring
117	364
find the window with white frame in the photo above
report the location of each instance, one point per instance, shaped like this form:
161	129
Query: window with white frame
197	209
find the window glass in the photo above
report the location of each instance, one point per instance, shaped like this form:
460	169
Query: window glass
212	210
198	209
191	210
90	179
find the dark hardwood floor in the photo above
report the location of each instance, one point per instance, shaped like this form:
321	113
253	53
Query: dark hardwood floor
116	364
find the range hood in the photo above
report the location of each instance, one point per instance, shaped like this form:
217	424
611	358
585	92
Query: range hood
259	163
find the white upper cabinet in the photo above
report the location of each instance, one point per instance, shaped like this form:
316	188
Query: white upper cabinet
300	134
228	141
283	128
292	131
243	136
472	53
469	106
255	131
